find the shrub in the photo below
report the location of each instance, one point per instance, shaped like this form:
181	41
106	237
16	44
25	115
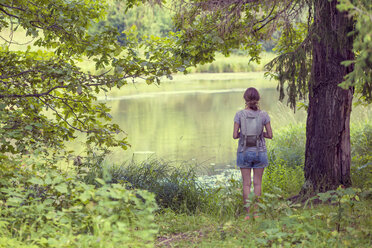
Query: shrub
49	208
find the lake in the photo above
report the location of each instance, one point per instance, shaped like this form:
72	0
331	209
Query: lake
191	117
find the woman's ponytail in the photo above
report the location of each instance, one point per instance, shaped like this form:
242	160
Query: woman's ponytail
251	97
252	105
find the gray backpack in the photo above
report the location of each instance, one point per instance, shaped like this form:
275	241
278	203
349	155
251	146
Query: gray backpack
250	130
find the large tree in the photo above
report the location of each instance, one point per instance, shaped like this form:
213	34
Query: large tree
46	93
315	55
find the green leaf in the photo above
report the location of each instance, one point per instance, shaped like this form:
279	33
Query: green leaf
62	188
28	127
100	181
79	90
36	180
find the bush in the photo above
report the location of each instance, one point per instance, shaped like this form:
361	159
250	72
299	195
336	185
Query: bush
49	208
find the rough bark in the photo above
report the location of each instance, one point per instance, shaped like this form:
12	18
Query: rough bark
327	156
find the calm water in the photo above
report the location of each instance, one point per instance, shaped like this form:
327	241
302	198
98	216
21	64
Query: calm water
192	123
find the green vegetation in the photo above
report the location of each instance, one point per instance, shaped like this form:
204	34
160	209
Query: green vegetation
46	97
49	92
42	206
100	204
236	62
149	20
283	225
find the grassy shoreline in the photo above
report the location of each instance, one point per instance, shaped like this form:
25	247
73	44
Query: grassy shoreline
193	82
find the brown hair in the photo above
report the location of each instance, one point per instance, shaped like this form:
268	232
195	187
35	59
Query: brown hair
251	97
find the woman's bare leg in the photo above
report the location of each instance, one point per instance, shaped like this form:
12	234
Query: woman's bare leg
257	180
246	175
257	183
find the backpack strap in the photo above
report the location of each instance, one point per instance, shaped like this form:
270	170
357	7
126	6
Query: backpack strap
257	136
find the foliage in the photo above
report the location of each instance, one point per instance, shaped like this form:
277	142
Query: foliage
293	65
294	227
228	24
149	20
342	198
237	24
246	25
45	96
286	158
225	199
50	208
361	76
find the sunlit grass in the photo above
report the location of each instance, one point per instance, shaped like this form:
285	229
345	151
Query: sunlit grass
234	63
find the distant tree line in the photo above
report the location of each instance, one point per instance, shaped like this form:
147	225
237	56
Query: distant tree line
153	20
150	20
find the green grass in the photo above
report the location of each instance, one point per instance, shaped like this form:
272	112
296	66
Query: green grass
175	186
295	227
234	63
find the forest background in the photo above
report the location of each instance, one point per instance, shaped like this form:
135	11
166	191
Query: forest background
67	200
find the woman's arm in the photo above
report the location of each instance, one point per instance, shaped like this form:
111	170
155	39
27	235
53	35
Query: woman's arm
236	133
269	133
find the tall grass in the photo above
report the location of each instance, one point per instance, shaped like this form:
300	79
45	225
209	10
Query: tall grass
286	159
361	156
175	187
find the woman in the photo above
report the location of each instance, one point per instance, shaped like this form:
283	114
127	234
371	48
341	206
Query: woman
249	125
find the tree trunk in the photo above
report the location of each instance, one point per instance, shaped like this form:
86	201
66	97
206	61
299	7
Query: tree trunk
327	156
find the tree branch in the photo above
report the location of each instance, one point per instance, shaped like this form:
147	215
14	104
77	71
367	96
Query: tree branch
12	7
73	127
16	75
33	95
8	14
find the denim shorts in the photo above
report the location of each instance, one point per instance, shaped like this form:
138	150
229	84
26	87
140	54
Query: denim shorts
250	159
